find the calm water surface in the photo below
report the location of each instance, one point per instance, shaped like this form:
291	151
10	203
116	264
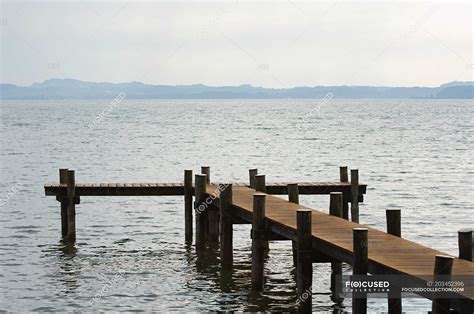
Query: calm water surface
130	254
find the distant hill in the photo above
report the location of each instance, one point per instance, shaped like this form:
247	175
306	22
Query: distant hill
465	92
75	89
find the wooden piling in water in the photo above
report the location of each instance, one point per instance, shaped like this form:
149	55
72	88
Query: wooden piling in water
394	227
213	225
360	266
211	216
304	268
226	230
465	244
200	208
71	206
258	239
394	223
335	209
293	193
343	177
188	205
335	204
206	170
260	184
355	195
443	266
294	197
252	181
465	252
63	201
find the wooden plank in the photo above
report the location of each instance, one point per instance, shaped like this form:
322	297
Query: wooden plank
170	189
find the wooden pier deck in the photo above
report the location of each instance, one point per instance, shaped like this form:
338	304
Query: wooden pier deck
317	237
332	236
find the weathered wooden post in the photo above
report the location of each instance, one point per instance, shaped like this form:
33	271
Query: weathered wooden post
294	197
293	193
465	252
63	201
71	206
252	174
304	268
213	225
207	171
345	197
394	223
200	208
258	238
355	195
211	215
343	176
226	230
260	184
359	266
394	227
335	209
188	205
465	244
443	266
335	204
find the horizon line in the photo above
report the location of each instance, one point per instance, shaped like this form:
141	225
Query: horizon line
244	84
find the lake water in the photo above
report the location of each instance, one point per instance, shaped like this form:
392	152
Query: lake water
415	155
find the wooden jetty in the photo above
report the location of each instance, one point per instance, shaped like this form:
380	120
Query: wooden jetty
317	237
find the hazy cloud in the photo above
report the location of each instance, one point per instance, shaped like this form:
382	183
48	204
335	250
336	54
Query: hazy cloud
271	44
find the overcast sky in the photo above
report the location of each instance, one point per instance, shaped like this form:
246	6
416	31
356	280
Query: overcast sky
282	44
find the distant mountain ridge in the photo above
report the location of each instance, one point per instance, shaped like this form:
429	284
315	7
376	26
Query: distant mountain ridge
75	89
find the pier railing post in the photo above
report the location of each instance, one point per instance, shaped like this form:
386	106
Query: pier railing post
213	225
304	268
63	201
465	244
188	205
355	195
335	209
206	170
258	237
394	222
226	230
465	252
335	204
71	206
343	176
261	186
294	197
394	227
252	180
211	216
200	208
443	266
360	266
